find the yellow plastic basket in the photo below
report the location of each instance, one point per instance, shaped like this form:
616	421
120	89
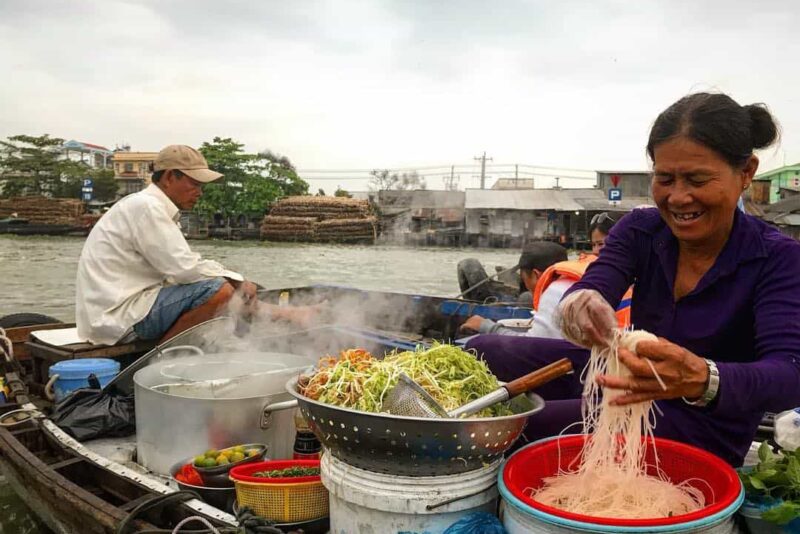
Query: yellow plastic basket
284	502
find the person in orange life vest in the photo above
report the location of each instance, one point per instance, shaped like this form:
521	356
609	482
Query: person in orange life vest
536	258
554	282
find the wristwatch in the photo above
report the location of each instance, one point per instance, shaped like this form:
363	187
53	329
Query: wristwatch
712	387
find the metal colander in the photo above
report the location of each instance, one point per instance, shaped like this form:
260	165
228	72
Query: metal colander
414	446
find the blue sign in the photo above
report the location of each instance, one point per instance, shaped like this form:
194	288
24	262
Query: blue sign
87	182
87	196
614	194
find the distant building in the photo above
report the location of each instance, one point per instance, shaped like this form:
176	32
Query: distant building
94	156
511	218
513	183
785	214
422	217
632	183
780	178
133	170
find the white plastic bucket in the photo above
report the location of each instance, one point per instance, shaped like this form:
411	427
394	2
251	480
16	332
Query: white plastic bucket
364	502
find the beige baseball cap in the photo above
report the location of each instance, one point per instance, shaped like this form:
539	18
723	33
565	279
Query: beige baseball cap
187	160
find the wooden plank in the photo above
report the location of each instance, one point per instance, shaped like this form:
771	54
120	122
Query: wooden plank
21	334
86	350
66	463
61	498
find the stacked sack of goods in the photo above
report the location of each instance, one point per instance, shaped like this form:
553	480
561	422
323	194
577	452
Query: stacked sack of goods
313	219
43	210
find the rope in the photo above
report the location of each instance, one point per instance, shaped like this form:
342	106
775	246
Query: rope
18	421
203	520
126	525
249	523
6	347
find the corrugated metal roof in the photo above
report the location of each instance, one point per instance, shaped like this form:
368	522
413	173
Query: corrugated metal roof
626	204
421	199
787	205
791	219
529	199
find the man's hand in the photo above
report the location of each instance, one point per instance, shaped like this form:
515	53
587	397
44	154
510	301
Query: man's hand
303	316
471	325
249	293
683	373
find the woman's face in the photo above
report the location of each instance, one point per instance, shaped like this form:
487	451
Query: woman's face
598	240
696	190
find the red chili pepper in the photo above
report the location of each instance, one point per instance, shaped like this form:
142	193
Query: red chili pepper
189	475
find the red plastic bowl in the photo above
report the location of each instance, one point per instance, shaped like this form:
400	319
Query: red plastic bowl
243	473
526	469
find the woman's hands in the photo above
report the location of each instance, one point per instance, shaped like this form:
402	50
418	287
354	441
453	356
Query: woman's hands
586	318
683	373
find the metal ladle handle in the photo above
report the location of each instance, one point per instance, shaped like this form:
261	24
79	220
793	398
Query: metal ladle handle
522	384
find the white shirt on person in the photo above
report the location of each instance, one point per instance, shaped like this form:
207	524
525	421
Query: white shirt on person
543	322
134	250
544	319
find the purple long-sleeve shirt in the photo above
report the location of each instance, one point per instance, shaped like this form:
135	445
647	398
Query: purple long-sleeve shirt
744	315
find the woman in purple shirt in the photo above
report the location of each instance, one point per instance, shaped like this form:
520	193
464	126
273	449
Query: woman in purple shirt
720	288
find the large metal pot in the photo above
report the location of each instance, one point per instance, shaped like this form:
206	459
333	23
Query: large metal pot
192	402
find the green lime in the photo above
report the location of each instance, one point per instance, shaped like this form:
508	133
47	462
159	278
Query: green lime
237	457
239	448
212	453
198	460
252	452
209	462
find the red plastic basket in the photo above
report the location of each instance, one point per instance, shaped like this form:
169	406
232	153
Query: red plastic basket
244	472
526	469
286	500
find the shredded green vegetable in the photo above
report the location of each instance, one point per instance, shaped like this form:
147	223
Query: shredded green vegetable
357	380
288	472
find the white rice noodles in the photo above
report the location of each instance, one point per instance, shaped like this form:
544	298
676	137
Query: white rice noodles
611	480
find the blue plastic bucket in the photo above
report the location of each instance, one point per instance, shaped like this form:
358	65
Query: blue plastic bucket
74	374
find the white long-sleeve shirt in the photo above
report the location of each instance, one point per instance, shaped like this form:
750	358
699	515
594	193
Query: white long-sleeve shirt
133	251
543	323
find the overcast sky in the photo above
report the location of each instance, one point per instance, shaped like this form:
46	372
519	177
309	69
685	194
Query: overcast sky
376	84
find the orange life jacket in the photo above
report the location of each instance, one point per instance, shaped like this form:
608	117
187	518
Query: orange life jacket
573	270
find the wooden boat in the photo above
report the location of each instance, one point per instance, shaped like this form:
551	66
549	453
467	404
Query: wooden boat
77	487
17	226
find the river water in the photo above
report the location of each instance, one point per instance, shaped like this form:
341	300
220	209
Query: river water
37	274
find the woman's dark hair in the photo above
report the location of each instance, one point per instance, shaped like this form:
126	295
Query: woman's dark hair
718	122
604	224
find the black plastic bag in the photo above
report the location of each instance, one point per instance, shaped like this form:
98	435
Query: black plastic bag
90	413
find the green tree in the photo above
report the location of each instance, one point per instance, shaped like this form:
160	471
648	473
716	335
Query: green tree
104	184
251	181
33	165
342	193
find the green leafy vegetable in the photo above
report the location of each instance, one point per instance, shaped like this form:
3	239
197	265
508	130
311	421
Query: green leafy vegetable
289	472
357	380
776	476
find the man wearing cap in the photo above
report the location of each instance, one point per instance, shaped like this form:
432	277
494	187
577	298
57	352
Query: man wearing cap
137	274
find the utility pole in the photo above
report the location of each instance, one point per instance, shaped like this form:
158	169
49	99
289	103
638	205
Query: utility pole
483	159
556	182
451	182
516	176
